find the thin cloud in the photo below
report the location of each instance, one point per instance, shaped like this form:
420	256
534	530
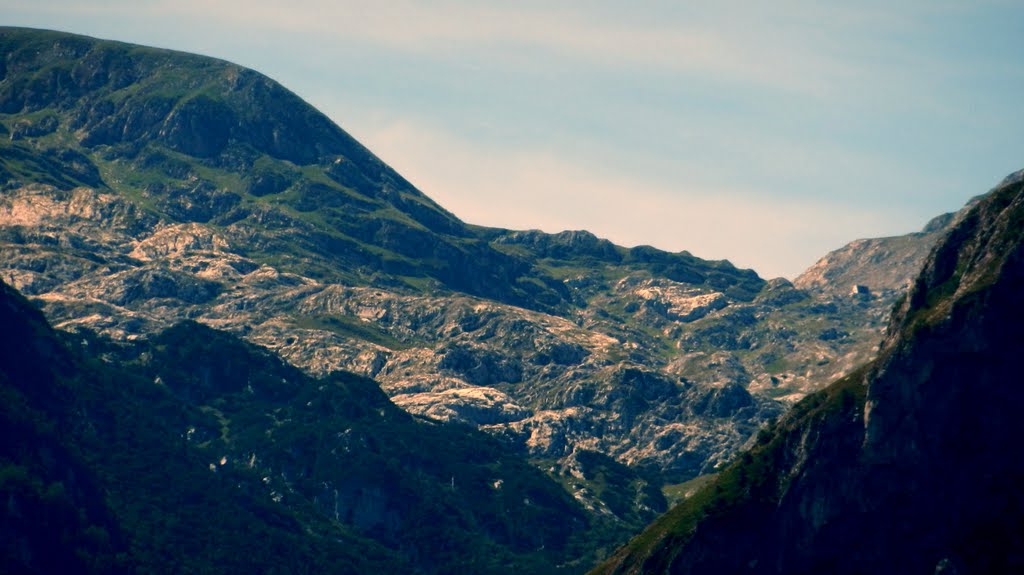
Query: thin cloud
734	48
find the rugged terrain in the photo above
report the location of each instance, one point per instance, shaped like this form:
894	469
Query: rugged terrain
144	186
909	464
192	451
878	266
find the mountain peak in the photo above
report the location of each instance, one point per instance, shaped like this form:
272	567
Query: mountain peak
199	106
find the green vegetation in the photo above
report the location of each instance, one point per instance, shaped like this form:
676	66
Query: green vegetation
678	492
750	485
933	296
626	499
347	326
924	482
196	452
188	138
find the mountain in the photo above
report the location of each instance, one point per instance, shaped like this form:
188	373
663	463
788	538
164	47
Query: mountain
907	465
203	141
144	186
874	266
194	451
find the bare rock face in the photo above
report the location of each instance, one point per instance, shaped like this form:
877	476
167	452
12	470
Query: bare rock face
674	302
876	266
650	371
474	405
551	383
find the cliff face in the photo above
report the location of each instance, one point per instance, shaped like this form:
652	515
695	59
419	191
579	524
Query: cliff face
907	466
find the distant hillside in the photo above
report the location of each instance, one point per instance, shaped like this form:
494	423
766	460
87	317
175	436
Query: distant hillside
906	466
879	265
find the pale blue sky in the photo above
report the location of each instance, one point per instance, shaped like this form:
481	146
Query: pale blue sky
766	133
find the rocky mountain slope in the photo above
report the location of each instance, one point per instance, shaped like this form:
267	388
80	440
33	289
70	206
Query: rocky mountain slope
907	465
144	186
876	266
192	451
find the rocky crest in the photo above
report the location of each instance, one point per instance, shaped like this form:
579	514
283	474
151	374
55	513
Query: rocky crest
879	266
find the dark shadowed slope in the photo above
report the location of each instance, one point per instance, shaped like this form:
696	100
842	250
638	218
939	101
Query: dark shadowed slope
908	466
196	452
142	186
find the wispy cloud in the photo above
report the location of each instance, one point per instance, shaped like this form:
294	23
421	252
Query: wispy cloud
834	52
732	45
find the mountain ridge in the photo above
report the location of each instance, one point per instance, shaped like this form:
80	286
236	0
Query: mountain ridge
881	265
238	120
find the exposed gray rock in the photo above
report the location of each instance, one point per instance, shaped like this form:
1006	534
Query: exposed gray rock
473	405
132	202
879	265
650	370
909	465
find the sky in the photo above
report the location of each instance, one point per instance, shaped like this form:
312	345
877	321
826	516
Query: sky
765	133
